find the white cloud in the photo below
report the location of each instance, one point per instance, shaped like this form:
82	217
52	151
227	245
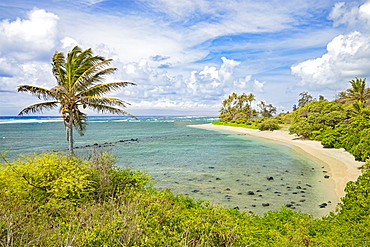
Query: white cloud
259	86
204	88
68	43
347	56
31	38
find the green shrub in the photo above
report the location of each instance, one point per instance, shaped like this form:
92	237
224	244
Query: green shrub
271	124
46	177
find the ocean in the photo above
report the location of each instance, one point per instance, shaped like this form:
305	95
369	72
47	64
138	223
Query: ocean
232	170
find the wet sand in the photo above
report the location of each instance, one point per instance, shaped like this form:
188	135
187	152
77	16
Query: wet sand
340	165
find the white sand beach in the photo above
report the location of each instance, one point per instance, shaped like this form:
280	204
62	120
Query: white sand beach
339	164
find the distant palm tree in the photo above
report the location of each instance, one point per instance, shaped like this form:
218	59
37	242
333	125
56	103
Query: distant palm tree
78	76
358	92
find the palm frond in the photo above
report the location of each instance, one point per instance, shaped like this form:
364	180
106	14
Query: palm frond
39	92
39	107
79	122
59	70
102	101
93	75
101	89
109	109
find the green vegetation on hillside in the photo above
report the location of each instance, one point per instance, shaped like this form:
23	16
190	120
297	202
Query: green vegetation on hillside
343	123
58	200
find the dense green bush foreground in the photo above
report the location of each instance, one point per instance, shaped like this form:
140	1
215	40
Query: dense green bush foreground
57	200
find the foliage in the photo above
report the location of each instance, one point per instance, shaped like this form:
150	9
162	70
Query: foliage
52	178
304	100
137	215
237	123
267	111
237	107
270	124
78	76
314	118
46	178
358	93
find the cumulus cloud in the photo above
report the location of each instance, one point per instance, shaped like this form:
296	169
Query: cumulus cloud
30	38
200	88
259	86
347	56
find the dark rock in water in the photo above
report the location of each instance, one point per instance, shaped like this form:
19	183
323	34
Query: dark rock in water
227	189
265	204
326	176
254	206
240	193
250	193
211	167
299	187
295	193
303	200
308	185
288	205
195	191
270	178
218	178
237	180
323	205
329	201
237	208
260	195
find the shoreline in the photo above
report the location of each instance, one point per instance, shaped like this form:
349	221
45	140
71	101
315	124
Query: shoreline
340	164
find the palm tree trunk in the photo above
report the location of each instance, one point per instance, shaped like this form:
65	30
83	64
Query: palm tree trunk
69	128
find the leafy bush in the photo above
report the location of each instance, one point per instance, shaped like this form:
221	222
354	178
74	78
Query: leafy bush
271	124
134	214
46	178
52	178
316	117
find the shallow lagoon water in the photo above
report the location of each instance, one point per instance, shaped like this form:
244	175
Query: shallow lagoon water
224	168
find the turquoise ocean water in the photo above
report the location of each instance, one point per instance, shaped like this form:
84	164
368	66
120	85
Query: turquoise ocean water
224	168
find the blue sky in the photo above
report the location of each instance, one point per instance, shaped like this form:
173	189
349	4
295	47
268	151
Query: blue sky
187	56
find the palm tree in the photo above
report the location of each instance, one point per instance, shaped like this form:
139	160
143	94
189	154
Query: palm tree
251	97
358	92
79	84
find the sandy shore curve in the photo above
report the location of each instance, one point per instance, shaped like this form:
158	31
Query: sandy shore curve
340	164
